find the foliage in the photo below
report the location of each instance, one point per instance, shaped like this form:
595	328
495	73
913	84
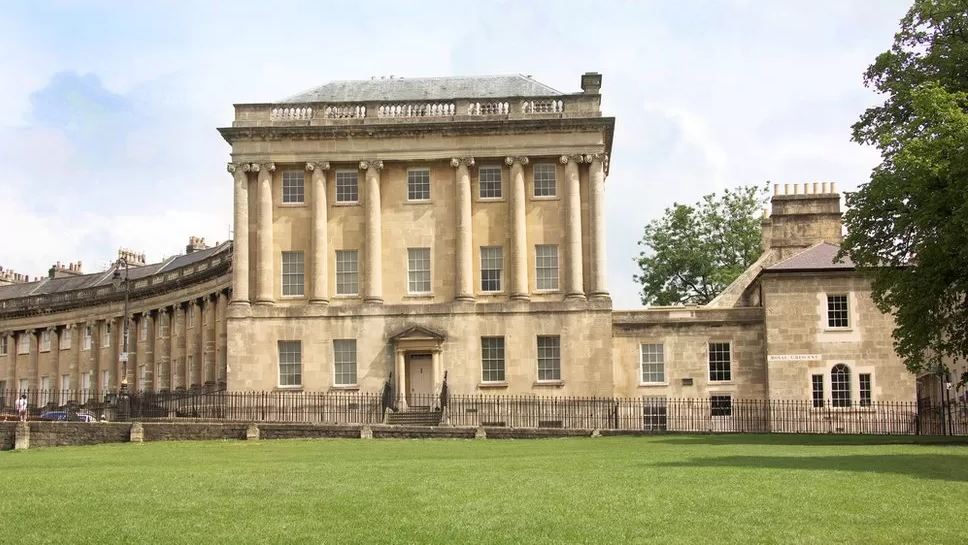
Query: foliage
694	252
908	226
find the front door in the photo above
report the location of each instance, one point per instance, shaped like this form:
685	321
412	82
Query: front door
420	380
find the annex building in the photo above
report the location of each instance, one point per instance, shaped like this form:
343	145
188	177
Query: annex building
401	231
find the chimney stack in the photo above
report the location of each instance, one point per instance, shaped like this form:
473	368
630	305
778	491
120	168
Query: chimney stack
134	259
195	244
62	270
591	83
802	215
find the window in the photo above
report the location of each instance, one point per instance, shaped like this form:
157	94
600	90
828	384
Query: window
3	345
719	362
65	338
144	328
293	274
492	268
347	188
24	385
293	187
652	361
191	315
721	405
840	385
544	180
837	311
192	371
865	389
65	383
817	390
290	363
418	185
86	379
344	362
105	380
546	266
107	334
347	272
24	346
492	359
489	179
87	338
45	341
418	270
549	357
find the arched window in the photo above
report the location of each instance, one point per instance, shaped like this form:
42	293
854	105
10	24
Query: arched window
840	385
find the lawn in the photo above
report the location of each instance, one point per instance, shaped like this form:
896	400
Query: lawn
665	489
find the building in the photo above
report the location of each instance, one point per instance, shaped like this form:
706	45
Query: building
399	231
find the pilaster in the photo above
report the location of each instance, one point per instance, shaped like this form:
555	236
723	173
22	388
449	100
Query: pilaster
464	283
373	257
596	178
575	287
264	235
240	245
519	239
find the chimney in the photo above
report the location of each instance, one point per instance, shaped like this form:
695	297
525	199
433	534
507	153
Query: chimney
591	83
134	259
803	215
195	244
8	277
63	270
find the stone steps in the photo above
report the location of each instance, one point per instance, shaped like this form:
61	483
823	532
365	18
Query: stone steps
414	417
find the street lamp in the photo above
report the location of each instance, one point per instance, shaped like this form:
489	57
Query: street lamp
118	282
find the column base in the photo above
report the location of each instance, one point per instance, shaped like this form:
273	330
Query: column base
520	297
373	300
575	297
322	302
264	302
465	299
600	295
239	303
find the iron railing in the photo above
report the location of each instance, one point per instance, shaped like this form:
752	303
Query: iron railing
650	414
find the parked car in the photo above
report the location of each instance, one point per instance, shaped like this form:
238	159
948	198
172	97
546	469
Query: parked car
66	416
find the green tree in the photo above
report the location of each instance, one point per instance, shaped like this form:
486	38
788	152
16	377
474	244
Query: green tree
908	225
693	252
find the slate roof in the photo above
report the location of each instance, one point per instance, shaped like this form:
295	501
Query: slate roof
69	283
446	88
819	257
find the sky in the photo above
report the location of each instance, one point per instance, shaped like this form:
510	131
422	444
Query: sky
109	109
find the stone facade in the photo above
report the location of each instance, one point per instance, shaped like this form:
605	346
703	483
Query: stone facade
399	232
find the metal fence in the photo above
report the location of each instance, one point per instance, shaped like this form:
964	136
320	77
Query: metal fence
651	414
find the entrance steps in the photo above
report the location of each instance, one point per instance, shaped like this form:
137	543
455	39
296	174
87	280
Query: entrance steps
414	416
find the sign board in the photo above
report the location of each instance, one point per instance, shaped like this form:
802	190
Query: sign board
794	357
123	357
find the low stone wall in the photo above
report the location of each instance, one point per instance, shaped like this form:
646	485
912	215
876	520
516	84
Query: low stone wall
308	431
192	431
7	434
65	434
421	432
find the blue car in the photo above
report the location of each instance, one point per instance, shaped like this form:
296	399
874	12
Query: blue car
65	416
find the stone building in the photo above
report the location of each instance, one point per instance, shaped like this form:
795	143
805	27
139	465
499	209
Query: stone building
406	230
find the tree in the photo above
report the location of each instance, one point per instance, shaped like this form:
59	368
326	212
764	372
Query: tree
693	252
908	225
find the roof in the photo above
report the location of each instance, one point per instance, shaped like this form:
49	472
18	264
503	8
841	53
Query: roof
70	283
819	257
396	88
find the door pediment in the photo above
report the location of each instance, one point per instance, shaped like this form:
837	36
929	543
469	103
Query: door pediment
417	332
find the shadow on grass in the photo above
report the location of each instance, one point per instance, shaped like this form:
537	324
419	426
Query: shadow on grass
809	439
924	466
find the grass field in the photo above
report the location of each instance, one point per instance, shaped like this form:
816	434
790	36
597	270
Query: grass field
666	489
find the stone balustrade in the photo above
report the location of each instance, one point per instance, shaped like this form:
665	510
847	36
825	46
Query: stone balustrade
255	115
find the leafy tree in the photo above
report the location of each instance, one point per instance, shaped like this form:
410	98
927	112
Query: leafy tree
693	252
908	225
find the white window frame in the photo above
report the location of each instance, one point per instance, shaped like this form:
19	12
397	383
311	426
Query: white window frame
293	274
488	260
346	279
547	276
729	361
64	339
293	189
143	334
418	185
835	313
716	404
837	391
347	193
540	175
493	359
289	370
45	340
88	338
345	362
549	358
652	363
3	345
861	401
106	379
106	334
23	344
488	171
419	267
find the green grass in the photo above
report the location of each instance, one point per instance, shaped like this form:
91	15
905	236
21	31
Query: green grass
667	489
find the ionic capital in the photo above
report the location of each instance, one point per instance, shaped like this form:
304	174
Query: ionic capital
458	161
376	164
263	167
317	165
241	167
520	160
601	157
576	158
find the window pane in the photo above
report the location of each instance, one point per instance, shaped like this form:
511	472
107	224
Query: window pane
549	358
721	405
865	389
344	360
719	361
489	179
347	272
347	189
418	185
546	266
837	311
652	359
290	363
492	268
418	270
817	387
840	385
544	180
492	359
293	274
293	186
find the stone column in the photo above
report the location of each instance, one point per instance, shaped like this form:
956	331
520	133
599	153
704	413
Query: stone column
575	287
463	246
194	345
54	366
519	230
210	377
401	372
373	257
9	375
596	179
151	380
264	294
320	259
240	246
163	352
179	350
33	360
437	371
77	341
221	360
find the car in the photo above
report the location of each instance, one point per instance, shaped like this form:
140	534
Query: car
66	416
